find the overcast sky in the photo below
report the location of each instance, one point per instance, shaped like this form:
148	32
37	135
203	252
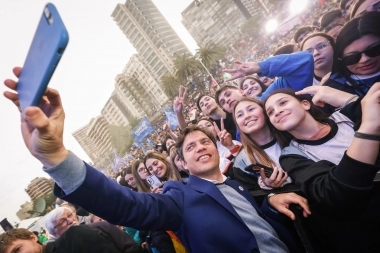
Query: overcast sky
97	52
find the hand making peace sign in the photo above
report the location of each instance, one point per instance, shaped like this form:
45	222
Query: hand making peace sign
225	137
180	100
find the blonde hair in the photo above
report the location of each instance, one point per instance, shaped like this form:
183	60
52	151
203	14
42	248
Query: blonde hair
171	172
255	153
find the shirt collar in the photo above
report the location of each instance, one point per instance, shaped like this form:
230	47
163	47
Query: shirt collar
224	178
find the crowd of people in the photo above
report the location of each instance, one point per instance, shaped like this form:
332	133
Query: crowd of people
297	119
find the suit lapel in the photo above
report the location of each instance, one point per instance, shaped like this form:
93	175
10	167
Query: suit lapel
212	190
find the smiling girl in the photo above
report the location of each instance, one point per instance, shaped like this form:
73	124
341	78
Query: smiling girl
158	165
317	136
252	87
334	168
259	142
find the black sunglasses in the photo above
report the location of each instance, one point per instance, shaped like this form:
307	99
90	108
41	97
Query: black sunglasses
355	57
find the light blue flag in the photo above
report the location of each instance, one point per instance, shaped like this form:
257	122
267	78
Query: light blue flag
142	130
171	118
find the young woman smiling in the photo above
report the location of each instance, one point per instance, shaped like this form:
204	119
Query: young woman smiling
158	165
252	87
259	144
314	133
327	161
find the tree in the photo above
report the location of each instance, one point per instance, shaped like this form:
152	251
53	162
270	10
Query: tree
253	25
133	122
210	54
186	66
120	138
170	84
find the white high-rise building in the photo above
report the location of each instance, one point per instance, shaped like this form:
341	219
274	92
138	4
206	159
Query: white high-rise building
215	22
115	112
150	34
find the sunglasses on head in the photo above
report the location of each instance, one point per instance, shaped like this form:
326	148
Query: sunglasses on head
355	57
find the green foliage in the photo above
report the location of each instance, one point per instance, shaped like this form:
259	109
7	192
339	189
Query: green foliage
49	199
252	25
170	84
134	122
210	54
121	138
186	66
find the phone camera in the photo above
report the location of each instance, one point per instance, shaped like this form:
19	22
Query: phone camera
48	15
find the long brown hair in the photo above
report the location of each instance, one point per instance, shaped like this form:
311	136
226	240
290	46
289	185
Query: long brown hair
314	111
255	153
171	172
142	185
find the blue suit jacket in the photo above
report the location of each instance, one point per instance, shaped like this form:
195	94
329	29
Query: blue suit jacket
196	211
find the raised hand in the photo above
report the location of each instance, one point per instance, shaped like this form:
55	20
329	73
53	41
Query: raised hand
371	111
242	69
225	137
277	178
282	201
41	128
180	100
326	95
166	126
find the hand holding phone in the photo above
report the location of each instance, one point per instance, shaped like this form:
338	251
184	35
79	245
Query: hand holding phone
48	45
256	168
153	181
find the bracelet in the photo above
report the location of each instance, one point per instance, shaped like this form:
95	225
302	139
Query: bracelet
350	99
270	195
235	149
371	137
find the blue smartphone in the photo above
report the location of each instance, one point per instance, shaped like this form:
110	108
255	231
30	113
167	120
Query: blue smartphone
48	45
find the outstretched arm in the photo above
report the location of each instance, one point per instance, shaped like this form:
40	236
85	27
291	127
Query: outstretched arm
42	131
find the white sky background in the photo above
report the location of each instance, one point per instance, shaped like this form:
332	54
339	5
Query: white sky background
97	52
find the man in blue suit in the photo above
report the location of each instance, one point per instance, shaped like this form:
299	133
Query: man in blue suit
209	213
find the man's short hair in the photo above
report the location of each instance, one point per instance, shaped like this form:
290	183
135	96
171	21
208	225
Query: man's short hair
225	87
7	238
329	17
187	131
301	31
343	4
199	100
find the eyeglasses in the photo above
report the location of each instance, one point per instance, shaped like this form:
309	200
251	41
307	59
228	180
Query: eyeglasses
354	58
63	220
141	169
320	47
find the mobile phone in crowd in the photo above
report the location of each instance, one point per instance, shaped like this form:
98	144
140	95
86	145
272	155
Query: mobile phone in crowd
49	43
255	168
153	181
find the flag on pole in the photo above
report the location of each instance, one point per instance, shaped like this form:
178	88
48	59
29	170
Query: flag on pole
214	83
